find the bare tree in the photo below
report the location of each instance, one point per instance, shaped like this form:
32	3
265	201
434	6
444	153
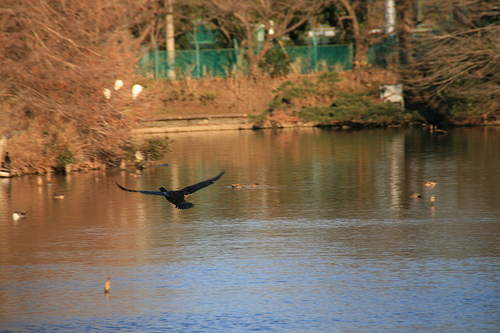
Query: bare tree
277	18
455	69
365	21
407	20
56	58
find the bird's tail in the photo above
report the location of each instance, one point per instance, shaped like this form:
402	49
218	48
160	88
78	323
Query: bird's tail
184	205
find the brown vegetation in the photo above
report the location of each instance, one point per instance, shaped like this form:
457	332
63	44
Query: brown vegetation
459	79
233	96
237	96
57	57
451	74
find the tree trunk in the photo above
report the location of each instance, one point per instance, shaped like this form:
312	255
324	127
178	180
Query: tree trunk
254	59
360	48
170	39
404	28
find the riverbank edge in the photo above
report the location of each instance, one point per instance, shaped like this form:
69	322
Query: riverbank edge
162	126
166	125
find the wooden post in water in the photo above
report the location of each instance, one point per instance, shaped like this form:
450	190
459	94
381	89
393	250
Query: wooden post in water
107	285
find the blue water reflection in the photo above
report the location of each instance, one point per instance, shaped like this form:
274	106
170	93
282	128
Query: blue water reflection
330	241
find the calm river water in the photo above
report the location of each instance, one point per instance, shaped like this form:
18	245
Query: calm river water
329	242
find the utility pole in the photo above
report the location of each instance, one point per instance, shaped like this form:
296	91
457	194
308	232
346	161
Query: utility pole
170	40
419	14
390	17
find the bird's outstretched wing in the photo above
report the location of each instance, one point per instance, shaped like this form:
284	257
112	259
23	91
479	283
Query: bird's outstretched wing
143	192
193	188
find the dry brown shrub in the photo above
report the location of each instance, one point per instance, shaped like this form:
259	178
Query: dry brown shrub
57	57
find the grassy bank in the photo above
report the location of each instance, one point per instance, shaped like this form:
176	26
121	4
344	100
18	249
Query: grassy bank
329	100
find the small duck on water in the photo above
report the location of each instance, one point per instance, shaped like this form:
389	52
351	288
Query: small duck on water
58	196
16	216
252	185
429	183
415	195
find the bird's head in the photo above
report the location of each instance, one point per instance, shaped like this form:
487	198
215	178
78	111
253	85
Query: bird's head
162	189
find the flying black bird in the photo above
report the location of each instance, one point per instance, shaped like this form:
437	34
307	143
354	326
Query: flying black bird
177	197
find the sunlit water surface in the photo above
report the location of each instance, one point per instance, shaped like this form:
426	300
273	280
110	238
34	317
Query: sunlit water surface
330	241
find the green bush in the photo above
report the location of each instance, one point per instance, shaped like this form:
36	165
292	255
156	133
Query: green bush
329	78
363	108
290	90
356	108
208	98
154	148
275	63
65	156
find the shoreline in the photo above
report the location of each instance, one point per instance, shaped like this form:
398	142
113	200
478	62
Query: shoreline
166	125
163	126
200	123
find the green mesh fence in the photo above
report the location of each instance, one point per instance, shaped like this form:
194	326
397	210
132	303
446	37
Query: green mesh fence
310	59
382	54
229	62
190	63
